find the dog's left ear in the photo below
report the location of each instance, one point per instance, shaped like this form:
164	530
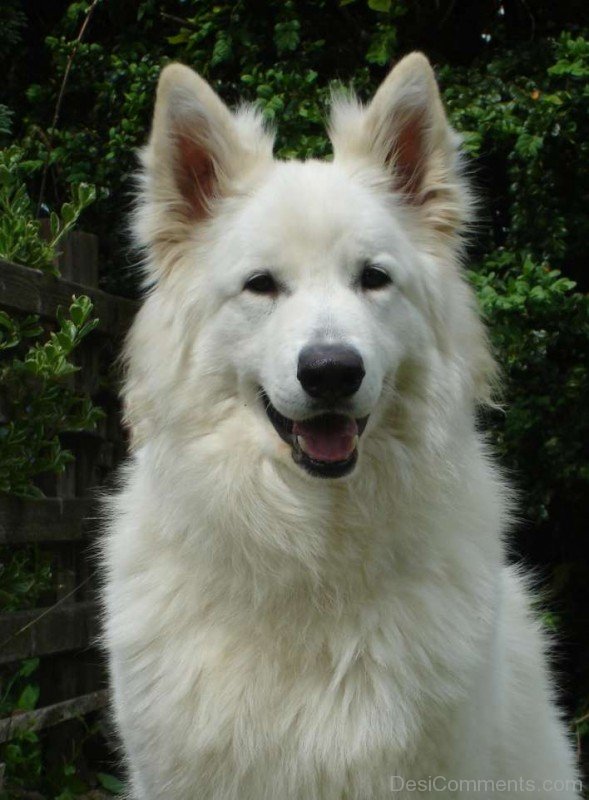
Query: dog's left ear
405	130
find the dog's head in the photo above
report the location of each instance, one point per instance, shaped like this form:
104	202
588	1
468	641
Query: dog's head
297	303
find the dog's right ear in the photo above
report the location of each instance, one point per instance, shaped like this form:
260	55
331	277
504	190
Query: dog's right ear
405	131
198	153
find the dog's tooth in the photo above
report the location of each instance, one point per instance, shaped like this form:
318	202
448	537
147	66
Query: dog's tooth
355	442
301	443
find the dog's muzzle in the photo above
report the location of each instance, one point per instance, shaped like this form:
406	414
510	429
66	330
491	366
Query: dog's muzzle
326	445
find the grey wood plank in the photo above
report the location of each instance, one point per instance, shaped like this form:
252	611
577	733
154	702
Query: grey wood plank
51	715
34	292
44	631
49	520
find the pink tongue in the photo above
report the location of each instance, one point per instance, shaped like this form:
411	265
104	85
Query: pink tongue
327	438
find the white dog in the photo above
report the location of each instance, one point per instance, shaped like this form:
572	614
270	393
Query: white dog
307	595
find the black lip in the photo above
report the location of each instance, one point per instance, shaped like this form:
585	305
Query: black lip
324	469
319	469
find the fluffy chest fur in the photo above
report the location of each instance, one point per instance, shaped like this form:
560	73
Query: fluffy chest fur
344	672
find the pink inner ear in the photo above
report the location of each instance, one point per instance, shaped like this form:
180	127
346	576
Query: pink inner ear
195	174
408	157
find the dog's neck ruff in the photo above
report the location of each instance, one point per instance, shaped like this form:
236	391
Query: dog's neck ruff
266	531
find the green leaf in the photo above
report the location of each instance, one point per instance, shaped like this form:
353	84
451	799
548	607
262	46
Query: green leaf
380	5
6	176
382	47
66	794
110	783
54	224
528	145
77	314
70	330
68	213
222	50
88	327
179	38
86	195
286	35
5	321
28	697
28	667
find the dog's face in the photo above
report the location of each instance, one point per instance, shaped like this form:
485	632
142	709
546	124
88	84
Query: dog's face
318	308
322	279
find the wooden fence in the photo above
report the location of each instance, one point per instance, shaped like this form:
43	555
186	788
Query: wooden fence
62	632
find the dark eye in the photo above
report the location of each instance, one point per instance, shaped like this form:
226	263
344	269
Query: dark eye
373	277
262	283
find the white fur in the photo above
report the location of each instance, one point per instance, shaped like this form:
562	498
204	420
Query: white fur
275	636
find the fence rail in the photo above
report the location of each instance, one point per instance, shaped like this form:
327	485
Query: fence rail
52	715
34	292
62	633
45	631
54	519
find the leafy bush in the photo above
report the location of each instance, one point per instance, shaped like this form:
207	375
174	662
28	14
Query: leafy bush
21	756
542	437
25	576
38	401
21	239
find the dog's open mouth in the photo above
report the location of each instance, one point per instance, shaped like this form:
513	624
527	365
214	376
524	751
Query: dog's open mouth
325	445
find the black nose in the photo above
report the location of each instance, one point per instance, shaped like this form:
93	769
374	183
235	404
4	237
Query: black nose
330	371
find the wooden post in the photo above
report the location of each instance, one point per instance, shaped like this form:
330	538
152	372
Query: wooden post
77	259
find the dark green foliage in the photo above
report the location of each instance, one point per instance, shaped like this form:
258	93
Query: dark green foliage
12	22
543	435
25	576
26	770
22	756
39	402
20	231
